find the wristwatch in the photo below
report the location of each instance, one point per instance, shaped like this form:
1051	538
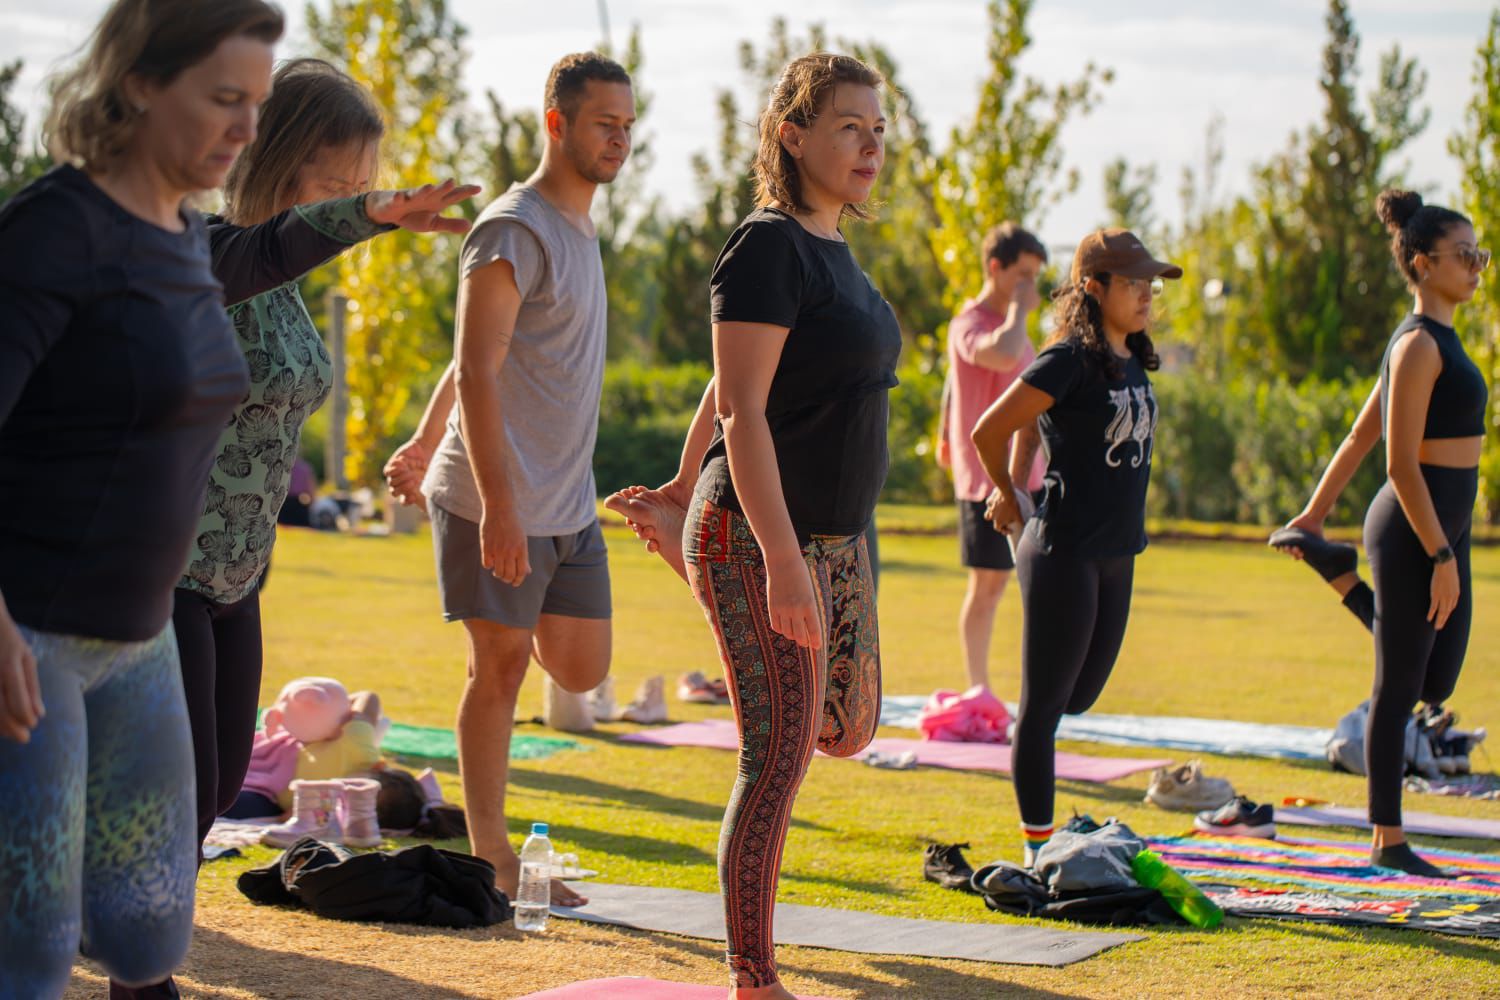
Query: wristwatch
1442	555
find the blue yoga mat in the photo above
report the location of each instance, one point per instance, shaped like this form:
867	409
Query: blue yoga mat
1224	736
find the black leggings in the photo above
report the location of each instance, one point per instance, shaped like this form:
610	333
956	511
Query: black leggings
1413	661
220	646
1074	612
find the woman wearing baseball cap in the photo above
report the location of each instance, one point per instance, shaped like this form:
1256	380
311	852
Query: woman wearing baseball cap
1090	395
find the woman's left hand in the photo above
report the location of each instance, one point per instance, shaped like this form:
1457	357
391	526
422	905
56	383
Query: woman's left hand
421	209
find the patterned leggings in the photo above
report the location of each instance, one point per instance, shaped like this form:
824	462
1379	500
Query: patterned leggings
787	700
97	841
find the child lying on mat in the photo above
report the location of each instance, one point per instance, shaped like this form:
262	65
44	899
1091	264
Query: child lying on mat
316	731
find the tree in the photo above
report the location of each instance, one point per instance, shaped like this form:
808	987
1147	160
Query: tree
1477	148
1007	162
1328	291
1128	198
410	54
19	164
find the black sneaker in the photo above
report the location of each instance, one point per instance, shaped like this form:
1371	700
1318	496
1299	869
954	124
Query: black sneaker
1402	858
1239	817
945	865
1331	559
1081	824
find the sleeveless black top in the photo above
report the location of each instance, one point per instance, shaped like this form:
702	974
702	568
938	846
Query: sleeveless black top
1459	395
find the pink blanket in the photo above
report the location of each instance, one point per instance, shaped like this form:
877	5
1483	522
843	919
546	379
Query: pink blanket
721	734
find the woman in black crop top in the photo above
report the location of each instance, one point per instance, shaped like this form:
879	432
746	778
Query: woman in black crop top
1089	394
781	484
118	369
1430	401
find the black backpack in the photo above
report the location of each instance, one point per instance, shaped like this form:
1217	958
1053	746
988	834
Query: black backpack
1009	888
418	885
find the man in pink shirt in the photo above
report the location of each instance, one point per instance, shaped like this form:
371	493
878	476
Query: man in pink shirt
987	350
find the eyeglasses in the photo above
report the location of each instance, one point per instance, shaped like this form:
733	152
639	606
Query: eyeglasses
1474	260
1140	286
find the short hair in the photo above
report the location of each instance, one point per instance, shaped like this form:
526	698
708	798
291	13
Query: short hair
570	76
91	122
313	106
1007	242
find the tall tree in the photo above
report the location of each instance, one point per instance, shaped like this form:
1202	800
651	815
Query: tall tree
1328	291
1128	199
410	54
1477	148
1007	161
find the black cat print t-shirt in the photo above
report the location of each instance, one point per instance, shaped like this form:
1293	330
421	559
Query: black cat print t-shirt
1098	436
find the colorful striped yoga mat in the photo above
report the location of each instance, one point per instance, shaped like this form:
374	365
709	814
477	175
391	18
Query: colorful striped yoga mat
1329	865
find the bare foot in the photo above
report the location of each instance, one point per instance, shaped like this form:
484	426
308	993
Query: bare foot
508	880
656	520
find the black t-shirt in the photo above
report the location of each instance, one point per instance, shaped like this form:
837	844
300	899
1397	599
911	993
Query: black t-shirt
118	370
828	405
1098	436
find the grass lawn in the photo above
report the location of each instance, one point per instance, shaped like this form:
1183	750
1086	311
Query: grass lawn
1218	630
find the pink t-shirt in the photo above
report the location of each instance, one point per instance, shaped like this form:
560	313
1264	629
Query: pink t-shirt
273	763
972	388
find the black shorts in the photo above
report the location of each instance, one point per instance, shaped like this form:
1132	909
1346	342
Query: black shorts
980	546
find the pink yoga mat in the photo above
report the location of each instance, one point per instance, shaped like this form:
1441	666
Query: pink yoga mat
1428	824
721	734
632	988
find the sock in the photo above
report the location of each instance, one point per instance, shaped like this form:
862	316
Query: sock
1361	603
1402	858
1035	837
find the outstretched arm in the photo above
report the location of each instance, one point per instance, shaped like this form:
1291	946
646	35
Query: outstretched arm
1362	437
407	466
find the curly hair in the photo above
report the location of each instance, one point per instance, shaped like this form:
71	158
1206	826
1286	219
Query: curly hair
1414	227
1079	317
798	97
91	121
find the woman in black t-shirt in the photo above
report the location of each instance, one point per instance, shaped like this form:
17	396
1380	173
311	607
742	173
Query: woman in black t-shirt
118	369
805	353
1090	396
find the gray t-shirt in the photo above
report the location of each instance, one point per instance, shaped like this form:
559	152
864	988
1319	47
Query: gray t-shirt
553	375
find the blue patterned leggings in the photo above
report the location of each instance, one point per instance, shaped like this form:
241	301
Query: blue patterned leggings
97	846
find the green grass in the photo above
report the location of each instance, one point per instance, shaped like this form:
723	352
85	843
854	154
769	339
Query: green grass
1217	630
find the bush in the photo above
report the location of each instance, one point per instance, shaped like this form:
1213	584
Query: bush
1251	450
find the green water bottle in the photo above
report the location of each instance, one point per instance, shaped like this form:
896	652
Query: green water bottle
1183	896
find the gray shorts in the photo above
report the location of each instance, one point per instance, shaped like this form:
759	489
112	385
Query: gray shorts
569	575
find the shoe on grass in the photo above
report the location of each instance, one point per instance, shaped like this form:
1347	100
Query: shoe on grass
699	690
1239	817
945	865
650	704
1187	787
1331	559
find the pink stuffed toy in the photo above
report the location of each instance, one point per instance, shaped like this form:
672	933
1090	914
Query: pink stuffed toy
976	716
311	709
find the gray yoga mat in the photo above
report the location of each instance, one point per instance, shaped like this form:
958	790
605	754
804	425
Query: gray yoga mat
701	915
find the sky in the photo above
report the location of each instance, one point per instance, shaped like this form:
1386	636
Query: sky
1177	65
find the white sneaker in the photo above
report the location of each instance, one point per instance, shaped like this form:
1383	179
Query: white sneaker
650	704
565	711
602	700
1187	787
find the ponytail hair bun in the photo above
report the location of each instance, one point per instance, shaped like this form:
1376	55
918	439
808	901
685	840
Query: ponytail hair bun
1396	207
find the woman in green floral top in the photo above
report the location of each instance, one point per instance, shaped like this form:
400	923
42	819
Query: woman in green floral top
317	149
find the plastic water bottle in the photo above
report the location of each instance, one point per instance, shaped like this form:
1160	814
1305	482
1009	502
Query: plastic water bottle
1183	896
535	893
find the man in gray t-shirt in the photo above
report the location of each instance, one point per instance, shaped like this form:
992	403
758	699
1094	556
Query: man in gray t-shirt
509	477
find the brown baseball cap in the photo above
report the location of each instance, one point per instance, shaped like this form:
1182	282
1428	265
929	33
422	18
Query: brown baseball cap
1118	251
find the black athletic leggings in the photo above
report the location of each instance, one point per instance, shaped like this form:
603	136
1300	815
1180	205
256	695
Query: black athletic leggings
1074	612
220	645
1413	661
